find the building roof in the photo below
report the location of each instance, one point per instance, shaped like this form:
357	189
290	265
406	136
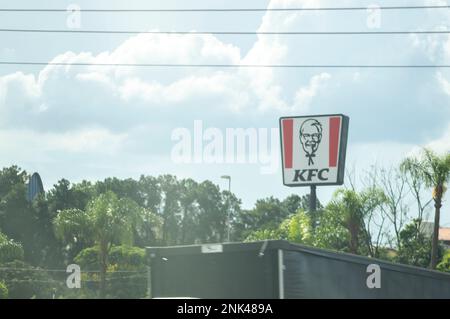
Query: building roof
427	229
444	233
262	248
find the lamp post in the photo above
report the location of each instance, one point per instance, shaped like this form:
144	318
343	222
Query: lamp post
228	177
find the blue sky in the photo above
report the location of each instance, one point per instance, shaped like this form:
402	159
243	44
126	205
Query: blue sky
94	122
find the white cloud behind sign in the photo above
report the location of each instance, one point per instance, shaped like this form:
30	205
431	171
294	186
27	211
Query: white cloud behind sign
128	113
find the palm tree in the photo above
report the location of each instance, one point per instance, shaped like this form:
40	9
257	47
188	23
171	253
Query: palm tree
434	170
352	208
106	221
346	205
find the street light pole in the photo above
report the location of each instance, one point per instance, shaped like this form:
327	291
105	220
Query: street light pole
229	208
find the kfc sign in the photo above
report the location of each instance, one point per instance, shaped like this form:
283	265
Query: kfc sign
313	149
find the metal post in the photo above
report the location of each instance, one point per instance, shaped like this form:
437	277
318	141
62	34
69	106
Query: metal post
313	200
229	209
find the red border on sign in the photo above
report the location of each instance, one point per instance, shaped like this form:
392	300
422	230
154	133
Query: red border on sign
288	134
335	126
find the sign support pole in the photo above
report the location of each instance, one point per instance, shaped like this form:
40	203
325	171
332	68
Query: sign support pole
313	200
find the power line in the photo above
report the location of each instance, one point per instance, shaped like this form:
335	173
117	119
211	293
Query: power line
231	9
53	281
31	280
281	66
65	271
226	32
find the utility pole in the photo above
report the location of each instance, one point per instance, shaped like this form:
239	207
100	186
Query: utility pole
229	208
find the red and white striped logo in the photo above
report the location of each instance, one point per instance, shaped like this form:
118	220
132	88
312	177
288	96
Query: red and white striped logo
311	149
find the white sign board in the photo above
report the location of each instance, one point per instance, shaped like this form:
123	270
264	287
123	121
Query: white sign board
212	248
313	149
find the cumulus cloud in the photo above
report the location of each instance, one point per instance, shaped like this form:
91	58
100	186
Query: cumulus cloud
66	98
442	144
443	82
28	143
69	97
304	95
132	110
19	94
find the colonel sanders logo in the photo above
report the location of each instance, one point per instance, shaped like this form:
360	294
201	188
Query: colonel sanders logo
310	138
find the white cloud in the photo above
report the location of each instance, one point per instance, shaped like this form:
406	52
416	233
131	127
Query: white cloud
164	48
28	143
304	95
100	95
382	154
442	144
443	83
215	84
19	94
129	112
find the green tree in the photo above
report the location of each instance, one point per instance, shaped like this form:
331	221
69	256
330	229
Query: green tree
232	206
330	232
351	208
25	281
169	208
189	207
126	274
267	214
17	220
213	212
3	290
415	246
293	203
10	250
434	170
148	232
296	228
65	195
150	192
44	249
266	234
444	265
47	252
123	188
106	221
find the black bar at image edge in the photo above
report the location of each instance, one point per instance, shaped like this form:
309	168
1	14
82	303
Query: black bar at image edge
229	308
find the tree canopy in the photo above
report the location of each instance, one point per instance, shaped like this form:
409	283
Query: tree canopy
104	226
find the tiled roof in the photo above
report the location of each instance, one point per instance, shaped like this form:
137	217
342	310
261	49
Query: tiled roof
444	233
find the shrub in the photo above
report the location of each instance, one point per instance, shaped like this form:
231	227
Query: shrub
3	290
126	277
9	249
25	282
